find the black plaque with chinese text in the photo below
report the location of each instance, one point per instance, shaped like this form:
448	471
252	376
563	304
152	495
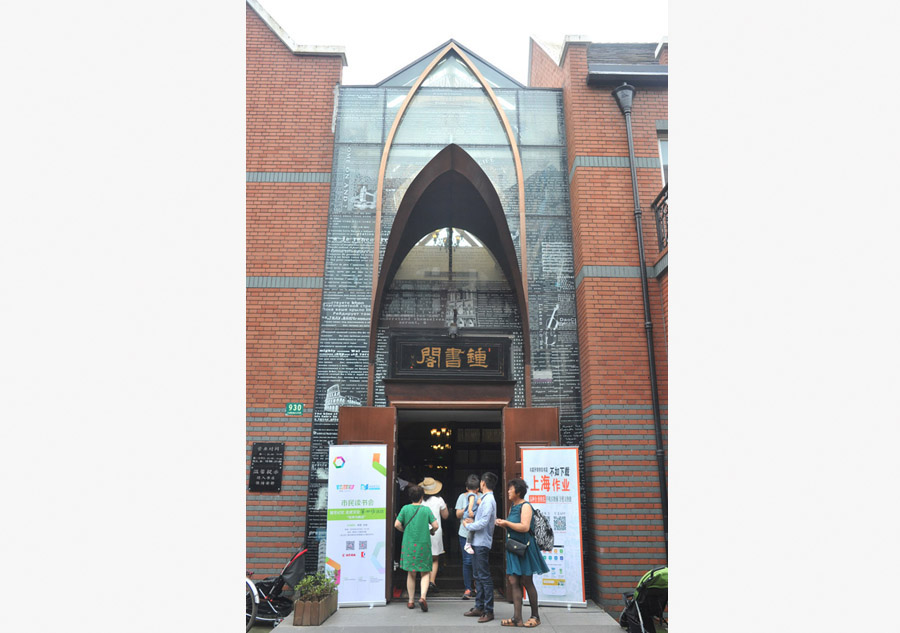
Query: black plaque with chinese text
450	358
266	466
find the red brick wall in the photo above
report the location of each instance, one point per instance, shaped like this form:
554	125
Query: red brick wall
282	327
286	228
543	71
625	537
664	55
290	100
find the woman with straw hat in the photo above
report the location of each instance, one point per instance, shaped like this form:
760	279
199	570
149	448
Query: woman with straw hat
431	487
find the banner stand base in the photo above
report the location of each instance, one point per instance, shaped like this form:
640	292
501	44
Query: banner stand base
344	605
543	602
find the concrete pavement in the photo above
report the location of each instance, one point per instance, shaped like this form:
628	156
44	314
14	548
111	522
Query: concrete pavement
445	614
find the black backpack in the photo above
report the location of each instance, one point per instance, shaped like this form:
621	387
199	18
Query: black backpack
540	528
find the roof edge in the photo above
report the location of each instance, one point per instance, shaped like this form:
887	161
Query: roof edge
572	39
554	55
296	49
662	42
465	49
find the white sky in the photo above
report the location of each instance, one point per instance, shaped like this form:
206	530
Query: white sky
381	38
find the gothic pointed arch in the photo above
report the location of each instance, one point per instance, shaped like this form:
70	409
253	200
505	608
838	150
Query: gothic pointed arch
380	267
451	190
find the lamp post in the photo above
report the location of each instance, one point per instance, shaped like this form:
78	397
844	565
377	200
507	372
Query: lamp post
624	95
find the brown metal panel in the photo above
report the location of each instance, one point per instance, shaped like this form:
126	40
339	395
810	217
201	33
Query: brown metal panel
375	425
525	427
405	393
532	426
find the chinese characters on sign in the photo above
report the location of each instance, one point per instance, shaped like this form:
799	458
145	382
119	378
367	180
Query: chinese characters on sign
553	486
431	357
557	479
452	358
266	465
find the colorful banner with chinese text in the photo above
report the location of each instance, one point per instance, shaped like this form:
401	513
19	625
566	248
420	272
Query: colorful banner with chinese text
551	474
357	502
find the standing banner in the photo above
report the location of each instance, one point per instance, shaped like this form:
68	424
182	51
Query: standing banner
357	502
551	474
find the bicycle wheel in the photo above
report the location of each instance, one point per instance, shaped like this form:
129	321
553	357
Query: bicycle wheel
252	604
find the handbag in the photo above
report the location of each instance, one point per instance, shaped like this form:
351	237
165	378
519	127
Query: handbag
516	547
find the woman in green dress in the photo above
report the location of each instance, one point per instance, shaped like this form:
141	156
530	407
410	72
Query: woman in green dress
417	522
520	569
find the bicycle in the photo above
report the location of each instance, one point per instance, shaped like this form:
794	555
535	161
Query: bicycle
252	603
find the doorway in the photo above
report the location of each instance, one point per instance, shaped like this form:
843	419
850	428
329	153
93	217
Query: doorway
481	439
449	445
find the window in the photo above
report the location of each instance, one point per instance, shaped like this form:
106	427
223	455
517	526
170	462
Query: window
664	156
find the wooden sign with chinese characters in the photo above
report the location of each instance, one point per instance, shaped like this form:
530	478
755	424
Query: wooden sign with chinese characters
450	358
266	465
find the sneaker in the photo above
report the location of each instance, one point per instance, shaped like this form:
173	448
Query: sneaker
469	549
466	594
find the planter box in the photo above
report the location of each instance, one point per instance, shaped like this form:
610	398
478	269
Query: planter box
308	613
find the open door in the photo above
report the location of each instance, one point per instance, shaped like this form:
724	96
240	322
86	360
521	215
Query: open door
375	425
533	426
525	427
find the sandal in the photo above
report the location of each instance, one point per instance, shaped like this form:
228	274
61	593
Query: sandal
532	622
511	622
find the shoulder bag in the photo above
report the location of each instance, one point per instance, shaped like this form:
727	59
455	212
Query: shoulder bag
516	547
412	517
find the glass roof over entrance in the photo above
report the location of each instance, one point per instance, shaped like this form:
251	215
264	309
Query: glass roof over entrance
406	77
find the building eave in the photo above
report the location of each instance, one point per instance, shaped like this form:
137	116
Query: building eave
637	74
296	49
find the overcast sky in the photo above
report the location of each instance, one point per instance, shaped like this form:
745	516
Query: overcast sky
380	38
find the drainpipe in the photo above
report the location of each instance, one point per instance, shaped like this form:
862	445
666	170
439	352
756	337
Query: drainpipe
624	95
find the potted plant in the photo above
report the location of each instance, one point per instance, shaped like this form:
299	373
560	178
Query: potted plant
315	599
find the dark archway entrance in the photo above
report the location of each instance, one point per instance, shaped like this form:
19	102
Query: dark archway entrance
451	190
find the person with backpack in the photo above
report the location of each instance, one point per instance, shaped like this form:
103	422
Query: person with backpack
523	556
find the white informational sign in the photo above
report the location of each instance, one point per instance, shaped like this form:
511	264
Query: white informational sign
551	474
357	511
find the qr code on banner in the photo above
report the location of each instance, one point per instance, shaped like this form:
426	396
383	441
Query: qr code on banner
349	547
363	545
559	523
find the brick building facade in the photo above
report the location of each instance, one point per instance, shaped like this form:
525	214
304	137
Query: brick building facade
318	160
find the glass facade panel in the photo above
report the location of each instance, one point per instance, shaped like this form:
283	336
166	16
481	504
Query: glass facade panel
450	115
451	72
546	180
541	117
408	76
360	113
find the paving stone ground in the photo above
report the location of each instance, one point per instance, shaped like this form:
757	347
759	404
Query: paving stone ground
445	614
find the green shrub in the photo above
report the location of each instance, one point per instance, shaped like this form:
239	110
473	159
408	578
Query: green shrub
314	587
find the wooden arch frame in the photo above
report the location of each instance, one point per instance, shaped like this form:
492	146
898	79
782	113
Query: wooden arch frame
451	48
